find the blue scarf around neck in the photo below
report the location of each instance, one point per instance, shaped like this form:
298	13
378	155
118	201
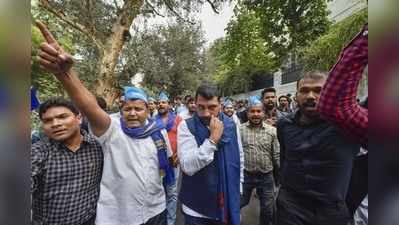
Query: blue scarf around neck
153	128
170	123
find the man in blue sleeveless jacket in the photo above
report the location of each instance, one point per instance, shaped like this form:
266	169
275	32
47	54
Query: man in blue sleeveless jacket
211	158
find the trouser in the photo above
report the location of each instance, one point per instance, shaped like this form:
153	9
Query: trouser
159	219
191	220
358	186
293	209
264	185
171	200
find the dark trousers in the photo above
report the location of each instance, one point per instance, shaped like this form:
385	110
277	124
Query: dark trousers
191	220
299	210
264	185
159	219
358	187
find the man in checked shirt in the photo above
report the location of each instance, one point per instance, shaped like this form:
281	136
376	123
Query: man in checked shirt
261	157
338	104
66	168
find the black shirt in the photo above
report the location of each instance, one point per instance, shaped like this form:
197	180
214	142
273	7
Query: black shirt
65	184
316	160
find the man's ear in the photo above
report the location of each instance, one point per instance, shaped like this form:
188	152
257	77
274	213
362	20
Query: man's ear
80	118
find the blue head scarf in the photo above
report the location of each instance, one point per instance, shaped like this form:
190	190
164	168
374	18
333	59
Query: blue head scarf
151	129
135	93
163	97
254	101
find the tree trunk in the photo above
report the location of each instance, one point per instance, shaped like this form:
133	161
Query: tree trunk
107	83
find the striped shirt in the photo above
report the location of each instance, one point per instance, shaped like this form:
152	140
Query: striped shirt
261	147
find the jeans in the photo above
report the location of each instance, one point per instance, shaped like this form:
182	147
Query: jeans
293	209
159	219
264	185
171	200
190	220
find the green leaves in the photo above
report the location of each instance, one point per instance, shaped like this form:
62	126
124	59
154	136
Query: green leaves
323	53
242	54
289	24
171	58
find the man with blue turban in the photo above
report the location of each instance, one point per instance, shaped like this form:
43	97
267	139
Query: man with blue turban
228	109
135	148
261	157
152	107
171	121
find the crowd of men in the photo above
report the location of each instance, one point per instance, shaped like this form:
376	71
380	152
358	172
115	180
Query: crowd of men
132	167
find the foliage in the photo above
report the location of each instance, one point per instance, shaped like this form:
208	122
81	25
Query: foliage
290	24
242	54
170	57
323	52
99	31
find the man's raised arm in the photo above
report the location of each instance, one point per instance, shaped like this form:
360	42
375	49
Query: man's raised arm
55	60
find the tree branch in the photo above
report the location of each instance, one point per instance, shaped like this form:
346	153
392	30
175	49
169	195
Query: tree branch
176	13
117	6
214	8
77	26
153	9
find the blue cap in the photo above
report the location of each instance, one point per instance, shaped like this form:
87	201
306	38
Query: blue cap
228	103
151	99
163	97
254	101
135	93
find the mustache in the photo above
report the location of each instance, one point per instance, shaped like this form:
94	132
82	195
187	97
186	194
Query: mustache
205	120
309	104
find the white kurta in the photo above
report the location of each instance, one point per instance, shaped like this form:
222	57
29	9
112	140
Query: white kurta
193	158
131	187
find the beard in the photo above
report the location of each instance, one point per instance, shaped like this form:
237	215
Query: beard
269	105
162	111
309	109
255	120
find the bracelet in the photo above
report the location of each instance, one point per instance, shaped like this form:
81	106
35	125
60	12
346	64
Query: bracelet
212	142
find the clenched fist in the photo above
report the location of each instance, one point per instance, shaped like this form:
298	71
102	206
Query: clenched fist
216	128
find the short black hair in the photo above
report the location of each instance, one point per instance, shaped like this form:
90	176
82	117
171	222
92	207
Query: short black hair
268	90
190	99
57	102
101	102
284	96
208	91
187	97
314	75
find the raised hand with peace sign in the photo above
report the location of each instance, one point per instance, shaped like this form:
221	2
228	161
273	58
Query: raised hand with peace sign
51	56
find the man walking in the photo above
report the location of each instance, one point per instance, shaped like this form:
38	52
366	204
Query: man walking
135	149
316	162
171	121
211	158
66	167
228	109
191	108
261	156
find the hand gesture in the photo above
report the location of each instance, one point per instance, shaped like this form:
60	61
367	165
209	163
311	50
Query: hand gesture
216	129
51	56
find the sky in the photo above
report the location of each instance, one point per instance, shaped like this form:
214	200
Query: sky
213	24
